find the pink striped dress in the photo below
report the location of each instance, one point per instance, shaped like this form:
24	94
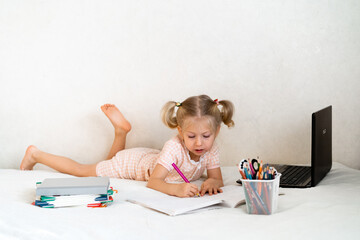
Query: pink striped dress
139	163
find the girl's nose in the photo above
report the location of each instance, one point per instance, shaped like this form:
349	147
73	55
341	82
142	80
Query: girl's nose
198	141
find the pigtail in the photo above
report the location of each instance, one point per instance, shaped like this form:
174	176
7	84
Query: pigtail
168	114
227	112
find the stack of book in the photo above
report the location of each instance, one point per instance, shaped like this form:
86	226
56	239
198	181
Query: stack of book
66	192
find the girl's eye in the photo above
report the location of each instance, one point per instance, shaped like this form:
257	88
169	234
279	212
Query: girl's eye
206	136
191	136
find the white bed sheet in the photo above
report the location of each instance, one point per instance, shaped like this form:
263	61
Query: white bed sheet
331	210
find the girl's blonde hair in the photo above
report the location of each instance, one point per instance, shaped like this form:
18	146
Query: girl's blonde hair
198	106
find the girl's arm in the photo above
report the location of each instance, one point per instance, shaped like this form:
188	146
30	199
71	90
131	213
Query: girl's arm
157	182
214	182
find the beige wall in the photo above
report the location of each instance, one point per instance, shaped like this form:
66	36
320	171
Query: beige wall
278	61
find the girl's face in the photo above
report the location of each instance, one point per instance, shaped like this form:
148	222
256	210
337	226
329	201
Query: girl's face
198	136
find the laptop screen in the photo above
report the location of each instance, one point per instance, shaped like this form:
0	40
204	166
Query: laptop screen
321	144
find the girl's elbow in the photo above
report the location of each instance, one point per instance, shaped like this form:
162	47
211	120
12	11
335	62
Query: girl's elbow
149	184
152	183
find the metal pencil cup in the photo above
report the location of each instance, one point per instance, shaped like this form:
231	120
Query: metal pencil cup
261	195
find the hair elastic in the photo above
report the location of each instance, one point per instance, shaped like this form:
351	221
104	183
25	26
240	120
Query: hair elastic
216	101
178	104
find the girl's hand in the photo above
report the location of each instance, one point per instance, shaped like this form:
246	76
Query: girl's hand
212	186
186	190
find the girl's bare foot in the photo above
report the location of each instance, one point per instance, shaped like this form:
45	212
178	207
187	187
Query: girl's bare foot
28	161
116	118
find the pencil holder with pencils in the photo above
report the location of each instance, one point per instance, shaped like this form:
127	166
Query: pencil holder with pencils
261	187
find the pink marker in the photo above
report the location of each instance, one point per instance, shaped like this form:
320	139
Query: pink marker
180	173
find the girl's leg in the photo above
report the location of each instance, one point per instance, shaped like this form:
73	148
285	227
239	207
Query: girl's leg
65	165
62	164
121	127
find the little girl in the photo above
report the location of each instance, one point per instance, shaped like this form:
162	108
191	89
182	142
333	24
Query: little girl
197	120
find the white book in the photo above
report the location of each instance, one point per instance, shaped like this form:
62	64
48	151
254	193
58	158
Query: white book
75	200
232	196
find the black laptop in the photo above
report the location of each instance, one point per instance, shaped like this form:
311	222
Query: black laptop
321	155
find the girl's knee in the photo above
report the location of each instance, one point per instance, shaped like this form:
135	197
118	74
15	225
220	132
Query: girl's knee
85	170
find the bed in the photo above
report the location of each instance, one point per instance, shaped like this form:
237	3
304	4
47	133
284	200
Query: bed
331	210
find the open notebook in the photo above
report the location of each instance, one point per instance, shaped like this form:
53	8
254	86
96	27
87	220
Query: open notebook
232	196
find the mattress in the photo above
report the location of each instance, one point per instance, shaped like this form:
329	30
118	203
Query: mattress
331	210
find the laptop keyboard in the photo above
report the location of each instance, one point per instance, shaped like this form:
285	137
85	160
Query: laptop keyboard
294	175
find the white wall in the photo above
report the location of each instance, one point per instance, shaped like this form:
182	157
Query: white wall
278	61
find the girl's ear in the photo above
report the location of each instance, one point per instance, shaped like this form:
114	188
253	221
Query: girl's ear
180	132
